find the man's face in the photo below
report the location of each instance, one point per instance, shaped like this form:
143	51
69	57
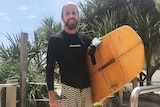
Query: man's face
70	16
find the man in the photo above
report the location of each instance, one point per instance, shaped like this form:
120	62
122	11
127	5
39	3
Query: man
69	49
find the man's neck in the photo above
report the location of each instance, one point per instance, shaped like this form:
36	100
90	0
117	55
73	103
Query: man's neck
70	31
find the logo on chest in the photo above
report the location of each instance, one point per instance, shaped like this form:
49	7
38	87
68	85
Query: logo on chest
75	46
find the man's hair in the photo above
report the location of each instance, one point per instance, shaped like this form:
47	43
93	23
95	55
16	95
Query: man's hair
69	3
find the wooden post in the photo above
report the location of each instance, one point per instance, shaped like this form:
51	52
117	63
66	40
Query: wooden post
0	97
135	83
11	93
120	93
23	68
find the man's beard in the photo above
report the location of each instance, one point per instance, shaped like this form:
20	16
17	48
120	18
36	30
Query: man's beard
71	26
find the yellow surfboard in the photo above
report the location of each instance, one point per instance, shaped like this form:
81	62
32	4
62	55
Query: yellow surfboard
119	59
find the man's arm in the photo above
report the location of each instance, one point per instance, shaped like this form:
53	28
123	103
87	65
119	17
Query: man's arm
51	56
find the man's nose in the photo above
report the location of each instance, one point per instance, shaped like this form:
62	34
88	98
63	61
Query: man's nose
71	15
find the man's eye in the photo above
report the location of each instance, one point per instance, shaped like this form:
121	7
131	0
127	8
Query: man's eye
67	14
74	13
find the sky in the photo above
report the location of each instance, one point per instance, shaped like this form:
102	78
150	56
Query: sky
18	16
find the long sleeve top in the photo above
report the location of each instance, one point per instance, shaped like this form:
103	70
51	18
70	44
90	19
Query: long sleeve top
69	50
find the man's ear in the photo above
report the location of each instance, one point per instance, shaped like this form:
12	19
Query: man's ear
78	16
62	18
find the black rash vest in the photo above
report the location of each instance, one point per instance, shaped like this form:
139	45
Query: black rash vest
69	50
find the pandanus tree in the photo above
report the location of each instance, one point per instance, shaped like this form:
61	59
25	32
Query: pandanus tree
142	15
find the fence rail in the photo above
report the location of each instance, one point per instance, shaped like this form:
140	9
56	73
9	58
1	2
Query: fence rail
141	90
56	86
11	91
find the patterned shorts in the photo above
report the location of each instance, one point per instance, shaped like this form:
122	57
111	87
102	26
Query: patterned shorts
74	97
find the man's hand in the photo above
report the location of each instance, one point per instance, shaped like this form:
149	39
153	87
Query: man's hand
96	41
53	101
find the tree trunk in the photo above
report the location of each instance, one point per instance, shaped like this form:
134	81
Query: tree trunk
148	66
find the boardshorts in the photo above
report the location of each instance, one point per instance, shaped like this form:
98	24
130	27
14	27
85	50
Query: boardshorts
75	97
